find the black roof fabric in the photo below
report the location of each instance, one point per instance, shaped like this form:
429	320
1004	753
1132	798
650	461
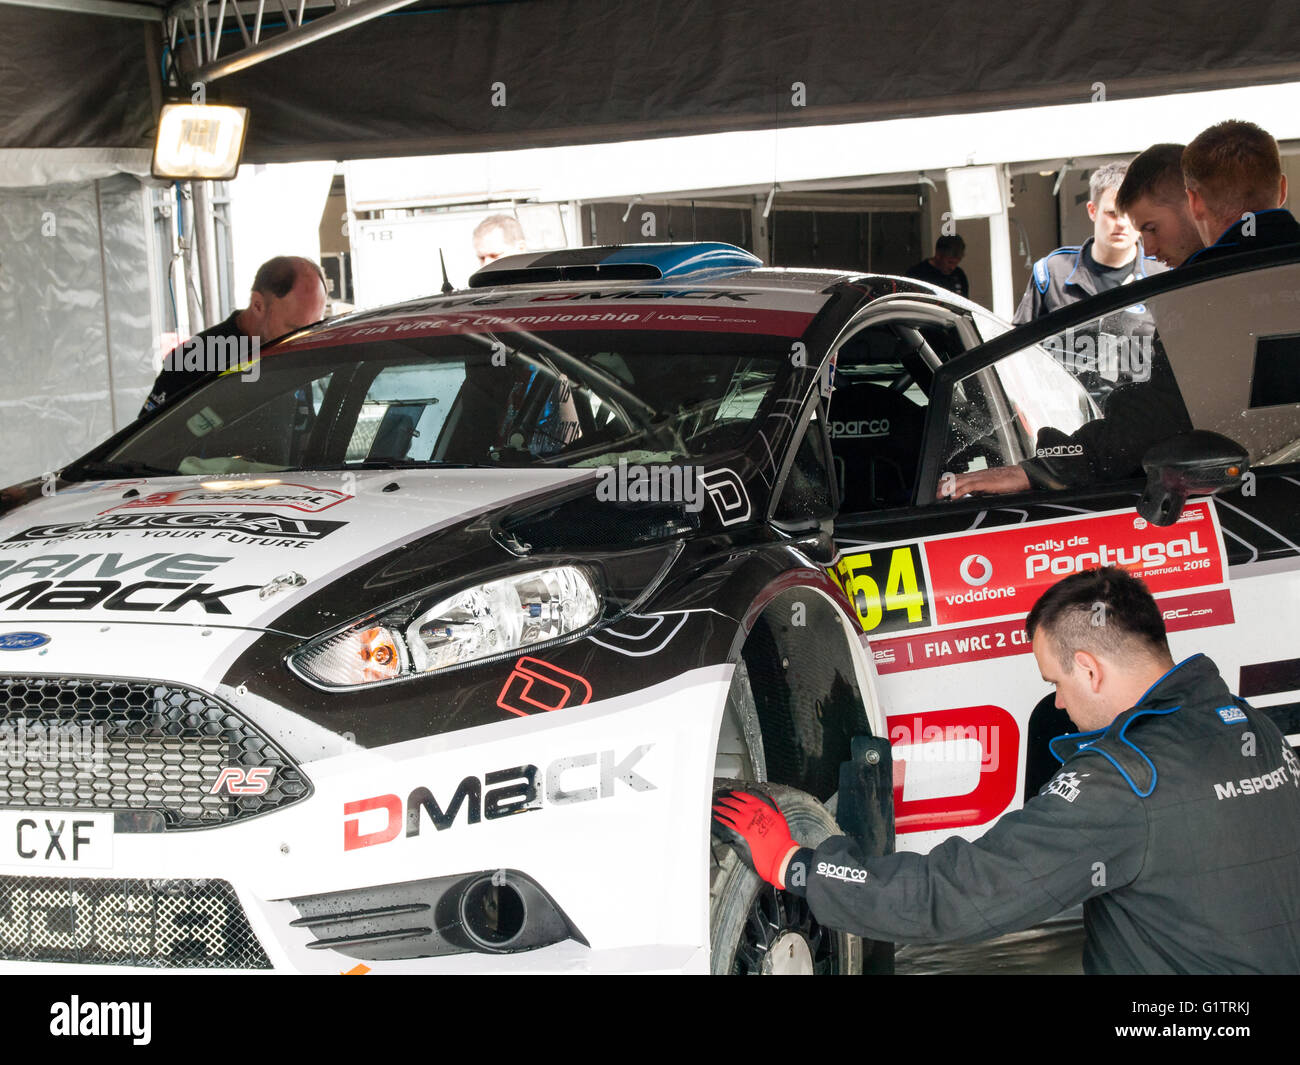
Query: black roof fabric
525	73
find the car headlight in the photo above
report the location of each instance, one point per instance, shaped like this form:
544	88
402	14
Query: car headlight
413	637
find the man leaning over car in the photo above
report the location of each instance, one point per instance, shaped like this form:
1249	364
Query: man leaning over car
288	293
1235	191
1175	818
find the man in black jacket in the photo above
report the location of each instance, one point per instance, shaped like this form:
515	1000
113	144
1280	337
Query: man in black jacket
1235	191
943	267
288	293
1175	818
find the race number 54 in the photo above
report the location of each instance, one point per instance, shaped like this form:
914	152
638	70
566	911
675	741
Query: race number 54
886	587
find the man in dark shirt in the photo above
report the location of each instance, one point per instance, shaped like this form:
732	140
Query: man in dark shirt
288	293
1109	258
942	269
1178	871
1235	191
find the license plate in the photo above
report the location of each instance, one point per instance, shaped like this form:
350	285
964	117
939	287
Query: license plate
56	839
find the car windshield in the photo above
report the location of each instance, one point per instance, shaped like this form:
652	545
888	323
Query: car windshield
473	399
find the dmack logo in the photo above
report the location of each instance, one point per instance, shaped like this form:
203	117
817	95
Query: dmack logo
953	768
572	779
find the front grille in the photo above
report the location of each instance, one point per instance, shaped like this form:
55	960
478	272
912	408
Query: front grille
155	751
171	924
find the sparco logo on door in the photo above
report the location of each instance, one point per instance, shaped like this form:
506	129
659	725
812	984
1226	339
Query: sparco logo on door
572	779
172	583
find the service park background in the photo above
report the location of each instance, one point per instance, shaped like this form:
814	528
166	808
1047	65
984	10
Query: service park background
811	133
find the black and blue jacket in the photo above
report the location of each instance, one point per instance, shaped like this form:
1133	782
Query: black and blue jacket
1177	827
1255	229
1062	277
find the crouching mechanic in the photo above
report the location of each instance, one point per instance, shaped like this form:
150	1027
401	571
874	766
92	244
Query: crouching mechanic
1175	818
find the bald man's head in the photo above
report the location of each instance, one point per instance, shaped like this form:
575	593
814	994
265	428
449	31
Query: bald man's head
288	293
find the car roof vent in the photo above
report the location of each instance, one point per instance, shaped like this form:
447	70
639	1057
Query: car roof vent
630	262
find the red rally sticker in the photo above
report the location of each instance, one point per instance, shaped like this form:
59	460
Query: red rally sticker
997	639
970	598
708	317
1003	571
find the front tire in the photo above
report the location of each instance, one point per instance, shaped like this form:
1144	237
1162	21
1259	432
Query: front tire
754	929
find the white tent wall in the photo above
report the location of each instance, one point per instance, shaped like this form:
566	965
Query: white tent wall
275	210
77	319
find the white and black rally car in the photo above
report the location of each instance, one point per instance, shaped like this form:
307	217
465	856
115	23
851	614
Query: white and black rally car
421	644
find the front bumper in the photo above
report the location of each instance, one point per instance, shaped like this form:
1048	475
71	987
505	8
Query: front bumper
603	807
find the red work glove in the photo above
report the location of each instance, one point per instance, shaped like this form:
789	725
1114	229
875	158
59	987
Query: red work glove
758	832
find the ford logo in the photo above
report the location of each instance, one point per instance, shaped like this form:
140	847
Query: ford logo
21	641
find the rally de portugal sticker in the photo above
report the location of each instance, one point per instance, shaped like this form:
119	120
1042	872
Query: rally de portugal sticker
1004	571
965	596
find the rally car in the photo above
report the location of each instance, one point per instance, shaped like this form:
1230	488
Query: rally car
422	643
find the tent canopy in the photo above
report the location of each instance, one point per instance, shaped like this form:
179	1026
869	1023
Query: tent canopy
524	73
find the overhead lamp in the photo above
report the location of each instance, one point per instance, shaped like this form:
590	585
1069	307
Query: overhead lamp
974	191
203	141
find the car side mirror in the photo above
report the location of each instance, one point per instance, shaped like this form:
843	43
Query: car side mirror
1195	463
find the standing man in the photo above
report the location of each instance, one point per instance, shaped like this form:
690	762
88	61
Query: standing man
496	236
1235	191
1175	818
288	293
1106	260
942	269
1153	197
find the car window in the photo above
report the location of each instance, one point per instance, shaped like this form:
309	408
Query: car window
883	374
570	398
1233	343
989	326
1028	410
1221	355
807	492
403	412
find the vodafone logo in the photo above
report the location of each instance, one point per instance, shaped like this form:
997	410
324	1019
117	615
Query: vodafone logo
976	570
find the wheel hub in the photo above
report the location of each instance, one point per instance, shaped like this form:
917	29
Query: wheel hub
789	955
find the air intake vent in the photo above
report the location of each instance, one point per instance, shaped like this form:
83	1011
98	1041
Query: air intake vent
542	274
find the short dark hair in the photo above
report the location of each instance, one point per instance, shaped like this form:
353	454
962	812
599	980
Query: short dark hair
276	277
1235	166
1103	611
950	245
1157	173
